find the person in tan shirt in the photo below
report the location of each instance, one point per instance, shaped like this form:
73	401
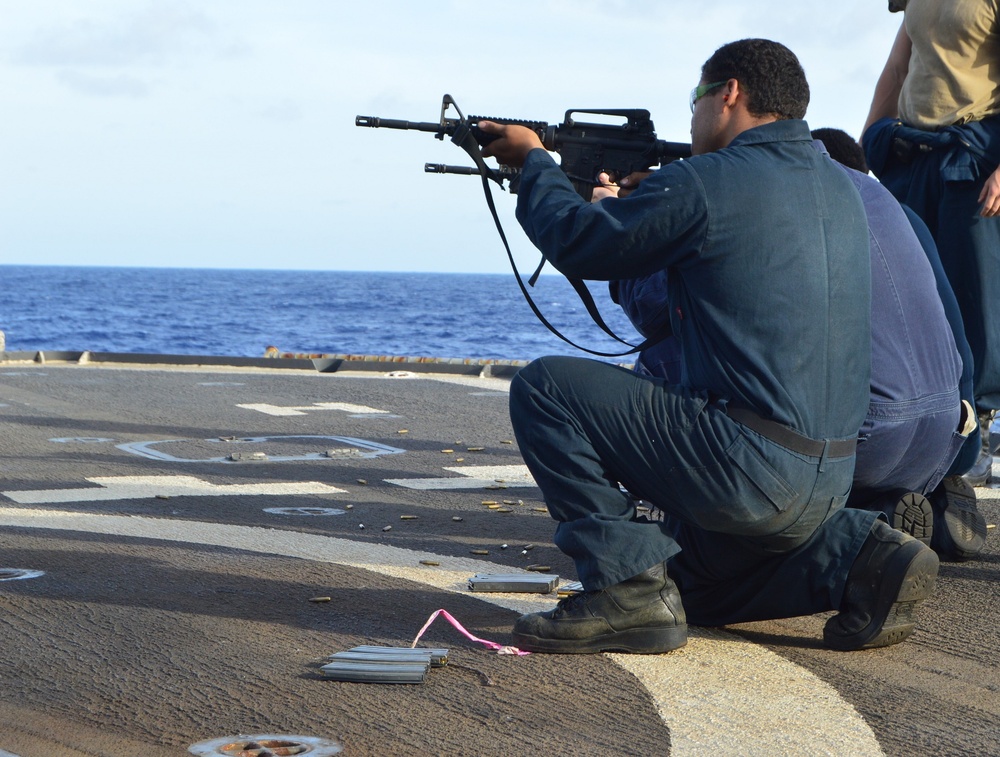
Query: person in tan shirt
933	138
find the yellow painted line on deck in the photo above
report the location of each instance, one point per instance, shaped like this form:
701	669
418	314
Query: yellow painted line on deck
718	695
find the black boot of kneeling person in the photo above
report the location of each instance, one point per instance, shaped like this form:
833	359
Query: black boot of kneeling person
642	615
959	528
981	473
891	576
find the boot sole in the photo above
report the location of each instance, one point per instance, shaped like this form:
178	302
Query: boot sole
632	641
961	527
908	581
913	515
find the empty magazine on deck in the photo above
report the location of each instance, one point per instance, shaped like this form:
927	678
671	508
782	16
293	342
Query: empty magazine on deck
372	664
538	583
438	657
376	672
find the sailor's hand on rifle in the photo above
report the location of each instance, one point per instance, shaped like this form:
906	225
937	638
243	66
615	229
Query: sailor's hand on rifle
512	145
626	186
630	183
605	189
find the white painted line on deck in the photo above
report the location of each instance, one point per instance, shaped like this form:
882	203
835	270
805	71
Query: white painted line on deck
346	407
718	695
111	488
472	477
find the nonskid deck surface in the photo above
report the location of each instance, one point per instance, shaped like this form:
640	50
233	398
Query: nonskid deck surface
197	540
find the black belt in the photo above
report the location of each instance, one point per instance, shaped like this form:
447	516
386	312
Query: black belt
789	438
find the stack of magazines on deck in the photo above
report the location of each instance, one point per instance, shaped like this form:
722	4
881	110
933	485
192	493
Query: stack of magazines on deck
371	664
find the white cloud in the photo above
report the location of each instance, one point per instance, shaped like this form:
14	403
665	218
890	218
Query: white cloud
118	85
153	35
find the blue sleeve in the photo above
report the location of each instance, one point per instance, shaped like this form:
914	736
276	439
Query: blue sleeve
662	223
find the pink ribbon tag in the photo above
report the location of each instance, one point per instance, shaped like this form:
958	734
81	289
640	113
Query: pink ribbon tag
500	649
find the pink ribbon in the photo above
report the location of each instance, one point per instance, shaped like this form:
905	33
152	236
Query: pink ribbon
500	649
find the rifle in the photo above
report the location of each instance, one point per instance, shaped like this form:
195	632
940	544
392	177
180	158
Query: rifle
585	149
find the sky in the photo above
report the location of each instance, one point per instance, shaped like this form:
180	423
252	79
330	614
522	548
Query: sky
221	134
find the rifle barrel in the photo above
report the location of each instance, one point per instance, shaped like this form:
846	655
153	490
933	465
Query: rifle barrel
442	168
500	172
375	122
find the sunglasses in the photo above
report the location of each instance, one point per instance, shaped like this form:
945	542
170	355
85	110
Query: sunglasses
703	89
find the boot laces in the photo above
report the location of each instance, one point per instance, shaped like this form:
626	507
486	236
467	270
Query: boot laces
568	604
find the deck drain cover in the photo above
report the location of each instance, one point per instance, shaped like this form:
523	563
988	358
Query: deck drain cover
304	511
265	746
16	574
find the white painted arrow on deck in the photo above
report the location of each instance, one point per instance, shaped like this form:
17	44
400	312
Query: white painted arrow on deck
346	407
148	487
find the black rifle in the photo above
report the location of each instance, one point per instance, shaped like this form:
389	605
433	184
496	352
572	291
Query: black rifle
585	149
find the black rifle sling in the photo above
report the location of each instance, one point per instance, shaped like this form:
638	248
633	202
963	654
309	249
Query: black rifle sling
463	138
588	302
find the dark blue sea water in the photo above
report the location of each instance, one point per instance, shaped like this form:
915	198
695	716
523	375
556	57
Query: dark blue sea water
241	313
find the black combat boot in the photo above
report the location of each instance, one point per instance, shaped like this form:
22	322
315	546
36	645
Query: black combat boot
981	474
642	615
892	575
959	528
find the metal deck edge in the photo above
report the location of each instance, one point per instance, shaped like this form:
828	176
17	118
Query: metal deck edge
319	363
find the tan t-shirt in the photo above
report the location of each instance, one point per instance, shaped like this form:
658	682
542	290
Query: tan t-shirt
954	73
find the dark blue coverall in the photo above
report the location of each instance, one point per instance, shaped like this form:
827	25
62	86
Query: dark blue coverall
910	436
969	451
767	247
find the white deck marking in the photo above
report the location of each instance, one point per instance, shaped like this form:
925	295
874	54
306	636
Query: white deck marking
346	407
364	448
472	477
148	487
718	695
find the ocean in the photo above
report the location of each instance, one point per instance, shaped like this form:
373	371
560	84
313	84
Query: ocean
243	312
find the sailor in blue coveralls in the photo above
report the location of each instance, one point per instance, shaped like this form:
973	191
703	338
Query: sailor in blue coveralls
751	456
916	421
